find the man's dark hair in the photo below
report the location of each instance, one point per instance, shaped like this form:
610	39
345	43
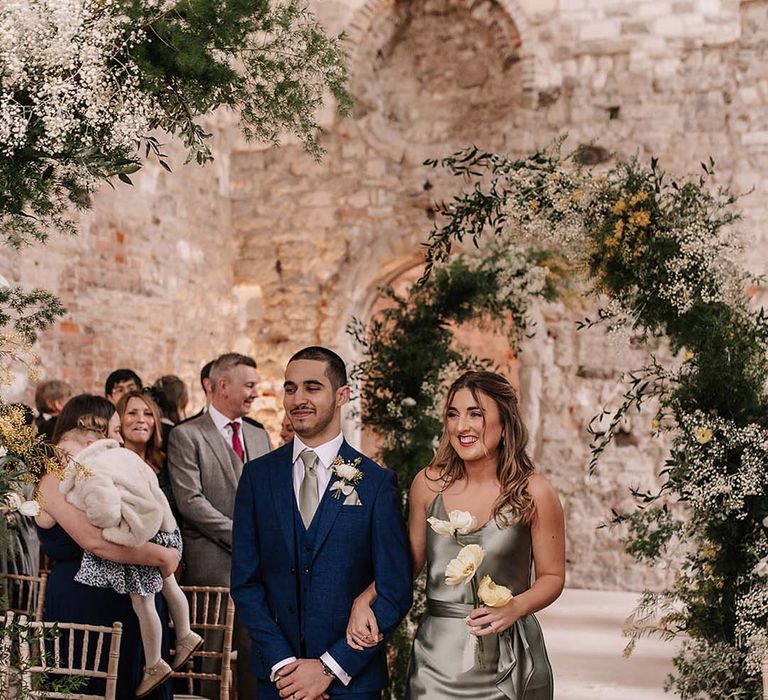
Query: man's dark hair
336	371
121	375
205	372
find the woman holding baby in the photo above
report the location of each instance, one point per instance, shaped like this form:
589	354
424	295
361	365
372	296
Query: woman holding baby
65	533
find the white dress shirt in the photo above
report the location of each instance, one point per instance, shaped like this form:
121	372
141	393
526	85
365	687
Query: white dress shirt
326	453
223	425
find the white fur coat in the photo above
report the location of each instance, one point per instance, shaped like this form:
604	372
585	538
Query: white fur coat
120	495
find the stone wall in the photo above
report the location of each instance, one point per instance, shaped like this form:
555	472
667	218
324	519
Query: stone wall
268	250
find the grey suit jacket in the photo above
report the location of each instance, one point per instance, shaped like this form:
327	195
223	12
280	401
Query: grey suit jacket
204	471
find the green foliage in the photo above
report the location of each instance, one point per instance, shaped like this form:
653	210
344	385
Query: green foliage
271	62
406	349
28	312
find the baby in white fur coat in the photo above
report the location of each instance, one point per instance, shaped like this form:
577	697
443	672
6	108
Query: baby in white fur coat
119	493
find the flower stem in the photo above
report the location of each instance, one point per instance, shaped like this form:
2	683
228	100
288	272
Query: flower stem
477	602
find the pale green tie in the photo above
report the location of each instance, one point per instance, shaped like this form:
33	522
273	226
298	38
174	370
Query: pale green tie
308	491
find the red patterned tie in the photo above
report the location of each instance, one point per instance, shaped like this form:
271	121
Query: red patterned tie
237	445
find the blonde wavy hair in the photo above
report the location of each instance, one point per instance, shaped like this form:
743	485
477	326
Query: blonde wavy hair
514	504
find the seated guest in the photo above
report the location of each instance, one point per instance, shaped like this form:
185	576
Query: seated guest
50	397
120	382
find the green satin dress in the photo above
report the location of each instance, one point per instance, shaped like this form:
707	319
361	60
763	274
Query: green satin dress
513	665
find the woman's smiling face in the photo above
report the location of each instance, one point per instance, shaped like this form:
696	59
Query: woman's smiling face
138	422
474	426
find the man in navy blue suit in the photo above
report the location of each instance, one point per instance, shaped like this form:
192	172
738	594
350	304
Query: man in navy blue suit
315	523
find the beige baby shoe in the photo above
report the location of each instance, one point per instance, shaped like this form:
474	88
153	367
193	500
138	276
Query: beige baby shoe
153	676
185	647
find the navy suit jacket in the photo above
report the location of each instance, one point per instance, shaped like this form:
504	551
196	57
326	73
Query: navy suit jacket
293	593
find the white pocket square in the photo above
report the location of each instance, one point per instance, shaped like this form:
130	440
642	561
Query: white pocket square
352	500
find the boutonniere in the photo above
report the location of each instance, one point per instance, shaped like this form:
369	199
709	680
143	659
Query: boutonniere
348	476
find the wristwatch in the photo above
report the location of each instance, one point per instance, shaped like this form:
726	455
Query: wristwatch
327	670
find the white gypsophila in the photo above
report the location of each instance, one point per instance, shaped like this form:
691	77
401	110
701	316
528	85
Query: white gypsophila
546	210
710	443
705	268
751	615
66	82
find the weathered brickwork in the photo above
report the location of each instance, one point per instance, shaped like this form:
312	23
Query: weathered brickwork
267	250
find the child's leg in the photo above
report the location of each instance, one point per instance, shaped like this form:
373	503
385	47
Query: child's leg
149	625
177	606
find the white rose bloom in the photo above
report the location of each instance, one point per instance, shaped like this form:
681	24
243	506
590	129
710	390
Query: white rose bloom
346	472
13	500
493	595
462	521
441	527
408	401
465	565
765	519
3	451
30	508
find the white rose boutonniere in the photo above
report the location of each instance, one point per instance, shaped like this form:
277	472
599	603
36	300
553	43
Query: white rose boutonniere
348	477
459	522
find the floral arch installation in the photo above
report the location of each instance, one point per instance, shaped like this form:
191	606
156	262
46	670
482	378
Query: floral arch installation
661	259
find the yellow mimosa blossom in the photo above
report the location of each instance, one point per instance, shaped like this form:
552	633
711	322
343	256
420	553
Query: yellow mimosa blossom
618	227
535	204
619	207
688	356
640	218
638	197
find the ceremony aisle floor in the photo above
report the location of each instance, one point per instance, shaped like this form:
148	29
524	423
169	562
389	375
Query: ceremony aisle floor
585	644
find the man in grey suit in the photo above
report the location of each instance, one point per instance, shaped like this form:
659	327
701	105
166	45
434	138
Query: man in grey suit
205	459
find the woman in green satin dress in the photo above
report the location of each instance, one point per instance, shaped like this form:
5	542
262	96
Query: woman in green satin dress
482	481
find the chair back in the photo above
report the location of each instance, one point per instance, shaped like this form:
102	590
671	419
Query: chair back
58	651
24	595
212	616
9	673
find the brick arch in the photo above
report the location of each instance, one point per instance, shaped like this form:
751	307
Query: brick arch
445	99
372	24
